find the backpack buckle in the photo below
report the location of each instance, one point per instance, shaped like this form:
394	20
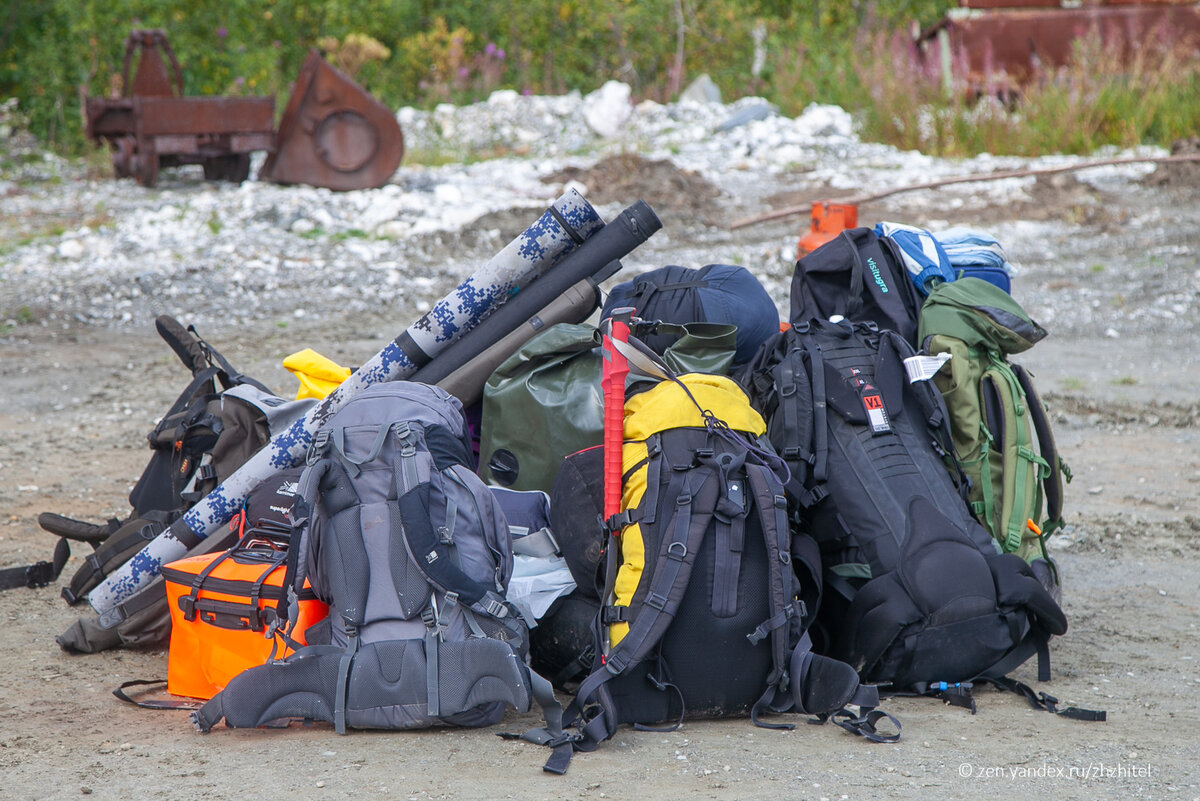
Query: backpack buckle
317	448
655	601
614	614
496	608
39	574
408	440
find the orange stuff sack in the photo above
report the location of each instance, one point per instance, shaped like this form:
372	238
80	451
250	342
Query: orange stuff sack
221	607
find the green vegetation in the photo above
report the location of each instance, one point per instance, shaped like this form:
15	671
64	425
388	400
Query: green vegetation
417	52
21	316
1093	101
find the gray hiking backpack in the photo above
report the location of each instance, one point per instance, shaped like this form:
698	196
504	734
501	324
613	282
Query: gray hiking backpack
413	555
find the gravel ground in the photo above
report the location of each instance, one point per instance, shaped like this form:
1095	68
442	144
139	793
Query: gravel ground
1107	261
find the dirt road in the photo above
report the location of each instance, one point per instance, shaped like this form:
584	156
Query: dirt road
1114	276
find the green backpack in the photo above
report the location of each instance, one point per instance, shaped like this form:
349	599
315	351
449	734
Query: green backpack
1000	429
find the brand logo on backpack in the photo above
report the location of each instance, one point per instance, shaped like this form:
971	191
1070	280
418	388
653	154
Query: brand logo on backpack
875	272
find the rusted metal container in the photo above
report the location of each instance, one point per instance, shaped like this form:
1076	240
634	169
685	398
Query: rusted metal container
333	133
1002	44
153	125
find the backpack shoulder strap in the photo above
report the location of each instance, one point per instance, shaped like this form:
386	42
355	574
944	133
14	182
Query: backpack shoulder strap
771	505
1058	470
431	555
683	533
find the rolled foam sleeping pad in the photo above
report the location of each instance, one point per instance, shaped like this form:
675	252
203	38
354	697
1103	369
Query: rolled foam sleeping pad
632	227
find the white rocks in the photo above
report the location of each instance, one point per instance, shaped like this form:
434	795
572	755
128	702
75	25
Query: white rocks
701	90
226	252
71	249
819	120
607	109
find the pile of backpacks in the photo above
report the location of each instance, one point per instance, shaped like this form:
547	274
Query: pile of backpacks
690	510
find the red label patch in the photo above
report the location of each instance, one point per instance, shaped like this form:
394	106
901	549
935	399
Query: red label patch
876	413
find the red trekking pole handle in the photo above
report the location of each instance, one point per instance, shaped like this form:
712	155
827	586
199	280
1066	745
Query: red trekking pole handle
612	384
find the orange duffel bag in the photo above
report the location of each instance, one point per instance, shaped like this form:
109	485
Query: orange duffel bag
222	606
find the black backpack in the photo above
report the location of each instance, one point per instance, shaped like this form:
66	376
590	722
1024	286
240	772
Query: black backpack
220	419
858	276
917	596
707	592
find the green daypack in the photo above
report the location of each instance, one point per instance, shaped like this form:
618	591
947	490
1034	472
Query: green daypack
1000	428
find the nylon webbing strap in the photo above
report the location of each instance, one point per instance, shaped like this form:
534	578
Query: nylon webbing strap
727	563
865	724
340	694
432	690
729	529
154	703
772	511
235	375
820	410
38	574
789	402
854	299
647	508
1048	703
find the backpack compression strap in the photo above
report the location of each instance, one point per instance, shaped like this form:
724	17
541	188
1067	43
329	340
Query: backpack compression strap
1046	703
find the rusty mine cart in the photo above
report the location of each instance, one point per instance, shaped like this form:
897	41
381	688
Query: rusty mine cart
332	134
